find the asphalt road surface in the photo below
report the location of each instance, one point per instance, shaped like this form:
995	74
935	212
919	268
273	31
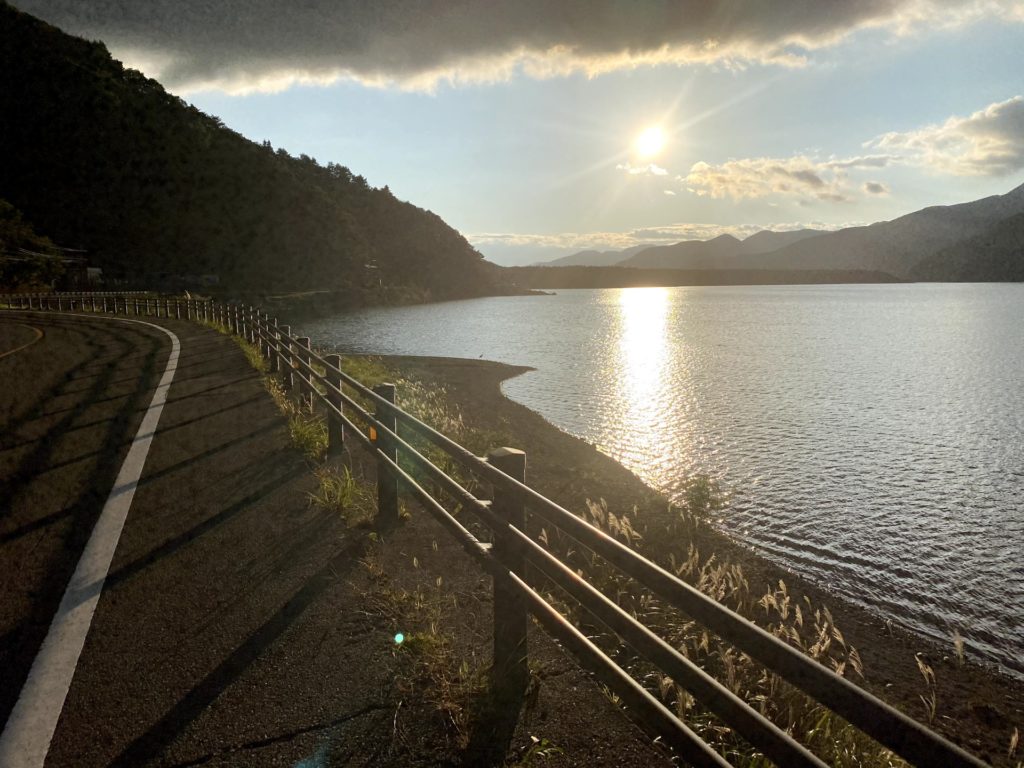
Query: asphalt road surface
219	478
235	624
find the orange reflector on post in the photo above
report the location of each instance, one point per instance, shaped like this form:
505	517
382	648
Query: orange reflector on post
373	434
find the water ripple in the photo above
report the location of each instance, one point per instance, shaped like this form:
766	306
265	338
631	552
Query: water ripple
873	436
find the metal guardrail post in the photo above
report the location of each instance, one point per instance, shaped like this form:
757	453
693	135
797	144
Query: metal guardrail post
511	672
335	429
387	484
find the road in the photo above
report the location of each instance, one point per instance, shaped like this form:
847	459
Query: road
236	624
220	474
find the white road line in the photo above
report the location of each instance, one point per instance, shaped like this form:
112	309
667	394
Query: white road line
29	730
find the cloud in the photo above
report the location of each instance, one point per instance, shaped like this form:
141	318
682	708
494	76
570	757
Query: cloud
246	45
867	161
799	177
642	170
989	142
669	192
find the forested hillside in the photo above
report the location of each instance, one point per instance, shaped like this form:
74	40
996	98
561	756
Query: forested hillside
995	255
103	159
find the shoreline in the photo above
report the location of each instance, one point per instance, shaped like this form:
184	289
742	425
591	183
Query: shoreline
978	706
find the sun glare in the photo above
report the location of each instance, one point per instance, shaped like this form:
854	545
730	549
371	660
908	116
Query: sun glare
650	141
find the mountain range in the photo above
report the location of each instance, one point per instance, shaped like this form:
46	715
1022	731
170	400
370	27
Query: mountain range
975	241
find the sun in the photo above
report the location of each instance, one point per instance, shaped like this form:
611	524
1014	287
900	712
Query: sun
650	141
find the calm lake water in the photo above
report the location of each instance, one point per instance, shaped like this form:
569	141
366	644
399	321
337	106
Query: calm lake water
872	435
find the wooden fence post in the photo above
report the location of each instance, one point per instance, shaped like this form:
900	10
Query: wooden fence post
268	338
305	377
510	615
335	429
284	355
387	484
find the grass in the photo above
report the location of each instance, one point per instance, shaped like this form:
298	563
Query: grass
797	622
340	491
427	667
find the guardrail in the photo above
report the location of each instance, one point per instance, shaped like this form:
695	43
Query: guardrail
385	432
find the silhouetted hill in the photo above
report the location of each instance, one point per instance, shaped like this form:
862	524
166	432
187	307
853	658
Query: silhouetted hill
593	258
766	240
895	246
690	254
630	277
995	255
102	158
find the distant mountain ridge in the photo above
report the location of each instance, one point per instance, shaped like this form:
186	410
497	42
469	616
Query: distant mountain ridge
593	258
688	254
978	240
896	246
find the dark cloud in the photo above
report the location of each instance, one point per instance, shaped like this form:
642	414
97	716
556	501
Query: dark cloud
875	188
246	44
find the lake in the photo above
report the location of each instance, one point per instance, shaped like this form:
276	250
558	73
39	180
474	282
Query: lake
871	436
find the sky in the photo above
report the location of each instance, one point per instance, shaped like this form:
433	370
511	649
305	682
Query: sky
541	128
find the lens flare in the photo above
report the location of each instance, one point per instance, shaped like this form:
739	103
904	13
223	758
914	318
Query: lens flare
399	638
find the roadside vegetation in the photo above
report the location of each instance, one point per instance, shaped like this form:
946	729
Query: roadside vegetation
430	667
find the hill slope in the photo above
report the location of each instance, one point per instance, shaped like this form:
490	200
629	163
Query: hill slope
689	254
103	159
995	255
593	258
895	246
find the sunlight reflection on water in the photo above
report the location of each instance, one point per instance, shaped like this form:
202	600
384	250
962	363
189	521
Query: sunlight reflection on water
873	435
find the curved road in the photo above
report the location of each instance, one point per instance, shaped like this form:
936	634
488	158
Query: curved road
235	625
73	396
218	485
